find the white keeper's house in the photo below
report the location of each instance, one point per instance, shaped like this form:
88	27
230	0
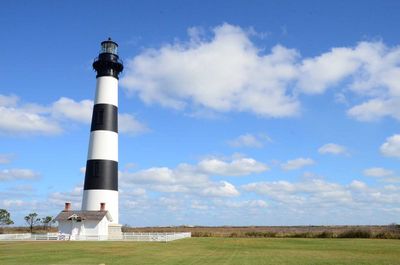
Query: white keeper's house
86	225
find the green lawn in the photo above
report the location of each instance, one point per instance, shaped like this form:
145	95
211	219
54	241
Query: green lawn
240	251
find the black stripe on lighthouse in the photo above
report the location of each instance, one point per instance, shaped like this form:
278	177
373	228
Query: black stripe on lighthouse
101	175
105	117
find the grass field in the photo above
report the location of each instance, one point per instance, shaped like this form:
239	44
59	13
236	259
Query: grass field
240	251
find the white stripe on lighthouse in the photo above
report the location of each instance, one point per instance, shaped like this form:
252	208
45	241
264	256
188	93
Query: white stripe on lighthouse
92	199
103	145
107	90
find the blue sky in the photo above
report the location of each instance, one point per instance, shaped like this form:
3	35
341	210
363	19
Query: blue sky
231	112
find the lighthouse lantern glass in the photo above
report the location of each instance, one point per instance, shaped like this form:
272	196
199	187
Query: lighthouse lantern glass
109	47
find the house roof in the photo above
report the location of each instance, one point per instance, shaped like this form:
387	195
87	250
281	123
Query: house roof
83	215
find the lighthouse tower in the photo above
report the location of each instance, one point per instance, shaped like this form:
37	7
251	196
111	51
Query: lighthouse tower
101	178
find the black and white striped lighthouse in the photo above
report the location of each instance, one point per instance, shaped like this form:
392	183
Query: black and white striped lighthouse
101	178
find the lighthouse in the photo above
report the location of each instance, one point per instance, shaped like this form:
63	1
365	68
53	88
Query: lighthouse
101	177
98	218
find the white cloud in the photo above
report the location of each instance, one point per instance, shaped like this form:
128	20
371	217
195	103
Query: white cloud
392	187
12	203
297	163
371	66
32	118
198	205
382	174
16	120
376	109
222	189
358	185
237	167
194	179
82	170
318	73
314	195
250	140
129	125
226	73
391	147
183	178
332	148
341	98
183	174
378	172
17	173
313	191
69	109
242	204
5	158
8	101
134	192
73	196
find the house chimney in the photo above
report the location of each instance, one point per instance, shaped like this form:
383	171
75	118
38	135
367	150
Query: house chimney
67	207
102	206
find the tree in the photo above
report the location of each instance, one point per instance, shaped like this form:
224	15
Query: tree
5	218
32	219
47	221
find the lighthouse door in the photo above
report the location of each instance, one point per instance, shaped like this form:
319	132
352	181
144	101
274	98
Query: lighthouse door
75	230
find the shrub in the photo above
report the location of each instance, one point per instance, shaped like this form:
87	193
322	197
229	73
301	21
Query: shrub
270	234
233	235
355	233
384	235
253	234
201	234
260	234
302	235
325	234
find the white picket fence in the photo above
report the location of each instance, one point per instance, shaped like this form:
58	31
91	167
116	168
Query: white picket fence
87	238
48	236
161	237
26	236
155	237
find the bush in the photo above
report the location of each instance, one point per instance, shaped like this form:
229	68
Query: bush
233	235
326	234
384	235
270	234
355	233
302	235
201	234
260	234
253	234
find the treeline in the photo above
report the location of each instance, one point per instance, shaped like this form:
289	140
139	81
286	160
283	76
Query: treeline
33	221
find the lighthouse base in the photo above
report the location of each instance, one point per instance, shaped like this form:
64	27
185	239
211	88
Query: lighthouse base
115	232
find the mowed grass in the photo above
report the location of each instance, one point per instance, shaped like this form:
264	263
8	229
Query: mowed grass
240	251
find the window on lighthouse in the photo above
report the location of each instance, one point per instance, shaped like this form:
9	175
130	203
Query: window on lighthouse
109	47
99	117
96	169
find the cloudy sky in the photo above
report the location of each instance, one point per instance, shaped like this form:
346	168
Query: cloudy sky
231	112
